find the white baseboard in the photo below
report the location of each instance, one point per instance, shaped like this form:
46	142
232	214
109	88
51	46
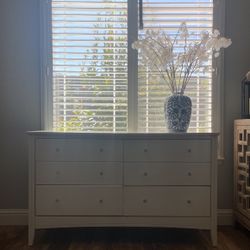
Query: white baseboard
13	217
225	217
20	217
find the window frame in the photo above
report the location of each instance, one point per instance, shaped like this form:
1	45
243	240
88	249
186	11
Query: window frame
46	64
46	72
218	84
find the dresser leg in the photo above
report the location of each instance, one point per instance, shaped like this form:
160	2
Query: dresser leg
214	237
31	236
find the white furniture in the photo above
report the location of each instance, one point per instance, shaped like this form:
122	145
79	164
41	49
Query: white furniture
142	180
242	171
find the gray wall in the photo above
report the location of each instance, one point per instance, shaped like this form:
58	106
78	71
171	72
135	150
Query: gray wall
20	88
19	95
237	63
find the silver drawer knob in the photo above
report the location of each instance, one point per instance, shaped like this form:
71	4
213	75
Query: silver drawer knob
188	201
145	150
101	201
101	173
189	150
145	174
189	174
145	201
101	150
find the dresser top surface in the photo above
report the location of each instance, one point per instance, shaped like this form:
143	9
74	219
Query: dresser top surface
56	134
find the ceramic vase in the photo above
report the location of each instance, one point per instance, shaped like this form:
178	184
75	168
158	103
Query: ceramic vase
178	109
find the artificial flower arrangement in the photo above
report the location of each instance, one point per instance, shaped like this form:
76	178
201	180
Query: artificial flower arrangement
178	58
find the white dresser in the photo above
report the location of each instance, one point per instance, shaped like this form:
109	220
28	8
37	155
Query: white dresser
141	180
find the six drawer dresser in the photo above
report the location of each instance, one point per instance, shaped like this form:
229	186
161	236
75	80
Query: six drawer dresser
122	180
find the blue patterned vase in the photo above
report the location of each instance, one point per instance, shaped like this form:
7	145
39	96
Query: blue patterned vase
178	109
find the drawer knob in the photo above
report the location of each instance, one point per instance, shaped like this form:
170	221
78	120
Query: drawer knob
101	173
189	150
145	150
145	174
57	200
101	150
57	150
101	201
188	201
189	174
145	201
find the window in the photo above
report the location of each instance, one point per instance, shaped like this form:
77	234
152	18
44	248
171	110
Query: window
96	81
89	48
151	95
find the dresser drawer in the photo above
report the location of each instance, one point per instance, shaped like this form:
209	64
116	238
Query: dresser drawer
89	173
78	150
170	150
167	201
160	173
78	200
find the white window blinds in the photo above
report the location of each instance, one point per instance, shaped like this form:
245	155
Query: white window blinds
168	15
90	65
89	44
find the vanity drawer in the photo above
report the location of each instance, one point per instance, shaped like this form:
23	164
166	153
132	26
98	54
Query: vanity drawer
164	173
167	201
171	150
78	150
88	173
78	200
